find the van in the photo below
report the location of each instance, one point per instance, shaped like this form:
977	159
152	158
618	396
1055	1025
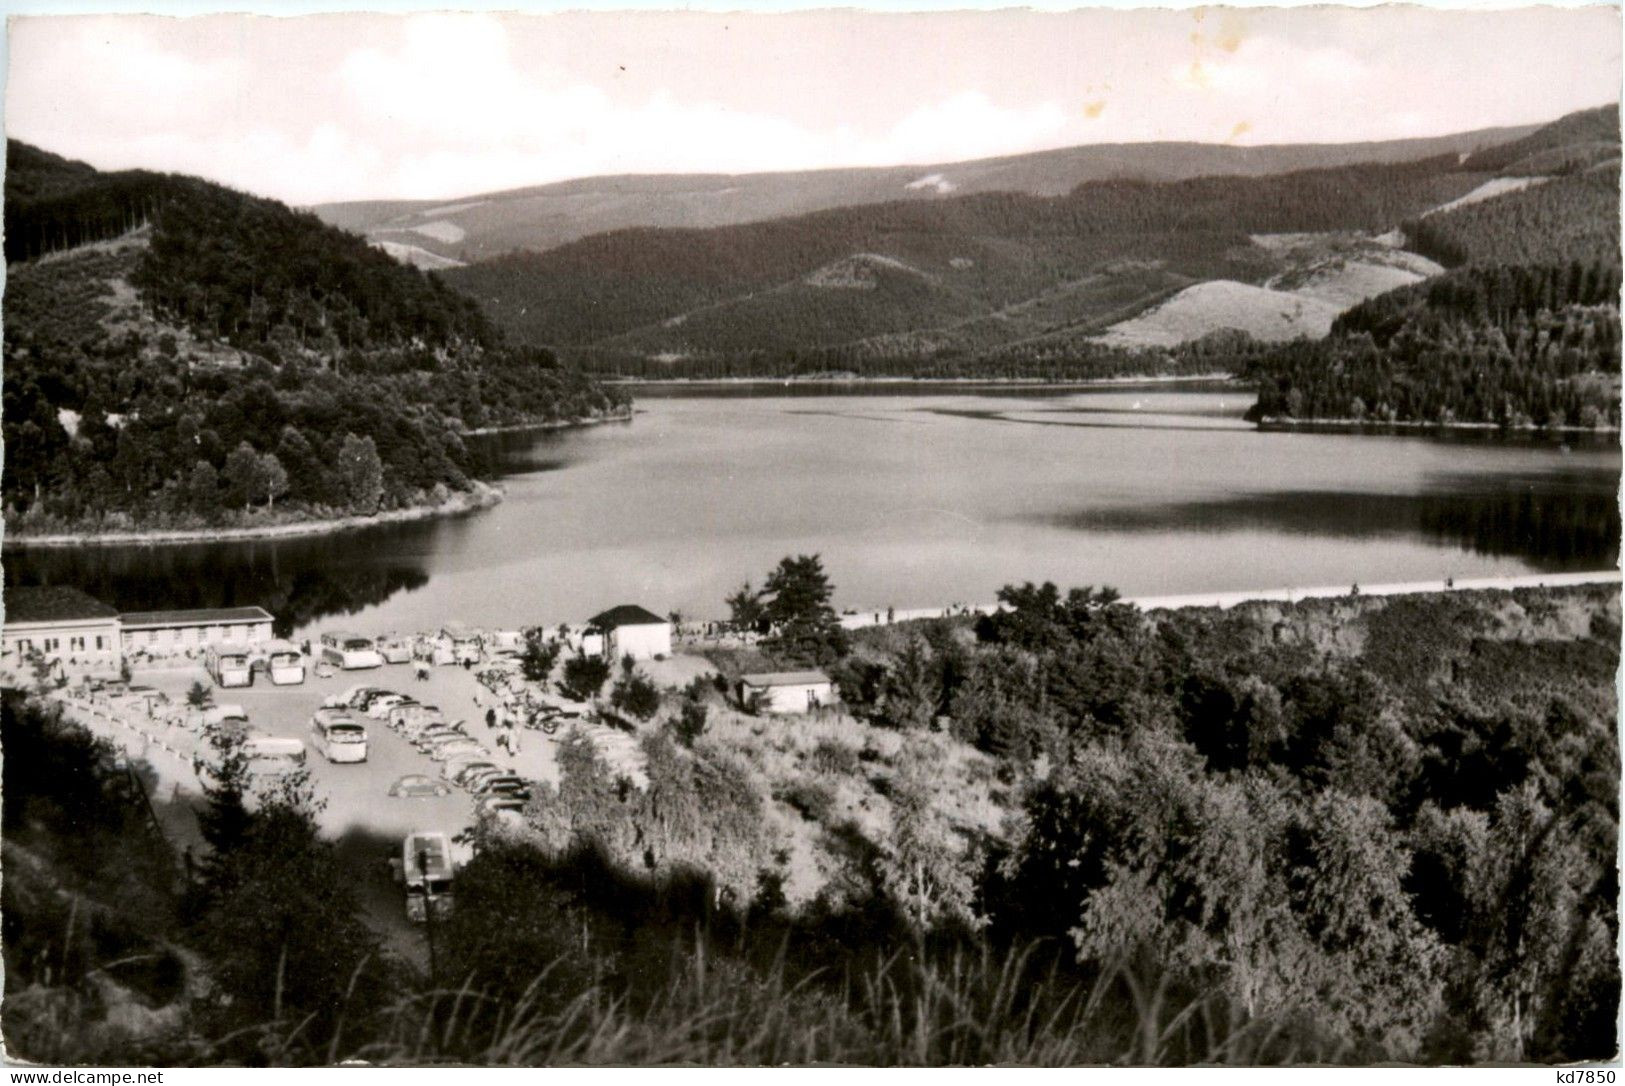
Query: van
425	869
273	755
464	642
338	736
395	649
229	667
284	663
349	651
225	713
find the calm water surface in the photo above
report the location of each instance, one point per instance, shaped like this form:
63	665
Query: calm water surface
914	499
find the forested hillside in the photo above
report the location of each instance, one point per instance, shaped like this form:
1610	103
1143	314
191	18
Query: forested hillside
953	277
178	355
1113	277
1586	137
1524	332
1510	346
1565	219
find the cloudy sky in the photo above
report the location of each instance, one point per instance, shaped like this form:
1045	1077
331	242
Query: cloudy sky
331	107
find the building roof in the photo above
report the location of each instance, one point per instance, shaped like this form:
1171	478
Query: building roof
785	678
53	603
627	614
206	616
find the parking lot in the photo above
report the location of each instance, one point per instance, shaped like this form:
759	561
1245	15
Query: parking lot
358	813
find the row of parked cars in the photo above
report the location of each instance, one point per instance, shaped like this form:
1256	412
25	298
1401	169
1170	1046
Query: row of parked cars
464	761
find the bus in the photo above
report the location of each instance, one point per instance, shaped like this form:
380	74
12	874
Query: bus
263	755
350	652
272	755
338	736
285	664
465	643
229	667
425	870
395	649
431	650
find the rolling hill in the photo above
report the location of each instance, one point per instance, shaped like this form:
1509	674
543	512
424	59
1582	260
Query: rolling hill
180	355
1523	331
958	275
477	227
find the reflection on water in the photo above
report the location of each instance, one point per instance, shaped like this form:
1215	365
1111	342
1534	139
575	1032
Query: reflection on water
1157	491
1555	523
297	580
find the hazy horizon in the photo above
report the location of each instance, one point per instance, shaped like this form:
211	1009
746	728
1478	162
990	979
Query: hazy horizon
330	108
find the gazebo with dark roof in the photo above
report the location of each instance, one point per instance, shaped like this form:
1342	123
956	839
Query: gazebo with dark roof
630	630
627	614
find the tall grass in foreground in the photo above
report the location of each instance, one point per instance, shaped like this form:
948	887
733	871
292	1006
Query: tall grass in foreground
967	1008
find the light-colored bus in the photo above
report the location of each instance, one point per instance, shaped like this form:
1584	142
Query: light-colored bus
229	667
225	715
273	755
285	664
395	649
338	736
350	652
425	869
432	650
464	642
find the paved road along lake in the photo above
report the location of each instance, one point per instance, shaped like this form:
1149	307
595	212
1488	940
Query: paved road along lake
914	498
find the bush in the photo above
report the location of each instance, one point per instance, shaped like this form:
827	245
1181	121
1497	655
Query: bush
691	722
814	799
636	695
834	758
584	676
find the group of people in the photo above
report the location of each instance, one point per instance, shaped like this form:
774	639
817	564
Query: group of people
507	736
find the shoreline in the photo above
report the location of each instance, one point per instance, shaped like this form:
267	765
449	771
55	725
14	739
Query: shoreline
1037	382
483	495
1227	599
551	424
1279	424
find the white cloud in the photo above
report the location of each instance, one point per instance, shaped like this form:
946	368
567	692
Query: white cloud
87	80
969	125
452	85
447	105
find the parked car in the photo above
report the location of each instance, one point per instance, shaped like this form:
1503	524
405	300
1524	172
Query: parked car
394	649
507	811
453	769
452	747
412	728
418	786
474	781
348	699
499	783
436	732
366	701
378	708
409	718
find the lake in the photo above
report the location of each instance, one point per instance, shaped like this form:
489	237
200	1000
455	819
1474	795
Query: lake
914	498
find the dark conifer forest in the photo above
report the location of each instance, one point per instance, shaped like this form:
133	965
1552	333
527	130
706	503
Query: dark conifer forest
181	355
